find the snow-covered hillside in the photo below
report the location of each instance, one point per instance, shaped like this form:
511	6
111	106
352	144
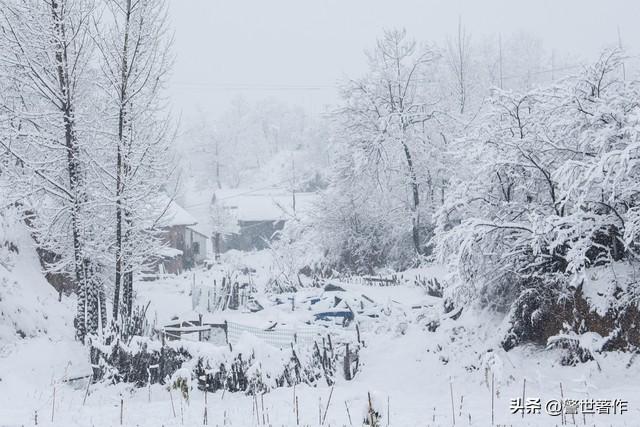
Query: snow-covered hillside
37	346
415	377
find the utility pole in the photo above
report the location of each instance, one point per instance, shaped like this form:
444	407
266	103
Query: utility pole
293	184
216	144
500	58
624	72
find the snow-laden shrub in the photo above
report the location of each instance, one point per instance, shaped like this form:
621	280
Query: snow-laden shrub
551	195
250	366
139	361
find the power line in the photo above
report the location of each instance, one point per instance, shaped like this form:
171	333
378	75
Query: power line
257	87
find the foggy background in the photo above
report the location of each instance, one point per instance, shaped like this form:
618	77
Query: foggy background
297	51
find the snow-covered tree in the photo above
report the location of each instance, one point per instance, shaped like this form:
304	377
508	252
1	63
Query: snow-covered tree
384	118
135	60
46	65
551	194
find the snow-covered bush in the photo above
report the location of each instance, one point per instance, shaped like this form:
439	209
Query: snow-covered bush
251	366
552	195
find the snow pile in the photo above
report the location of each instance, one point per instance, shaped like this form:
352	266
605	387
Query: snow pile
37	346
28	304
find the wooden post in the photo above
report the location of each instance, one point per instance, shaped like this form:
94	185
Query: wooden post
388	411
348	413
53	403
255	401
492	397
215	294
86	392
524	390
297	413
200	331
173	408
347	363
181	409
253	407
204	418
294	398
453	411
121	409
327	408
563	419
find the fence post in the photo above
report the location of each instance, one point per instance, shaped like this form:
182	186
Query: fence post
200	332
347	364
226	331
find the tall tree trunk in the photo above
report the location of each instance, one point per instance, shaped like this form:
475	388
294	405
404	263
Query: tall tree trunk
85	321
120	176
415	208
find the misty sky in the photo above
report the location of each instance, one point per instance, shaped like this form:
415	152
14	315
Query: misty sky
296	50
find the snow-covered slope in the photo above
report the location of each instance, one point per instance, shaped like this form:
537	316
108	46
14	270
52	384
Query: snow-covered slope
37	347
28	304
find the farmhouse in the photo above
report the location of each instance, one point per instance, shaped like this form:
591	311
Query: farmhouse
185	243
249	219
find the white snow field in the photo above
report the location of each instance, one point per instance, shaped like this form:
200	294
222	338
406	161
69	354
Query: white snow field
415	377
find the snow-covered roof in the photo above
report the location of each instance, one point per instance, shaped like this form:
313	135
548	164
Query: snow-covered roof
200	229
198	203
172	214
264	205
169	252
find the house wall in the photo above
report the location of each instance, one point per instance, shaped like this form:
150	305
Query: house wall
173	237
196	245
192	244
252	235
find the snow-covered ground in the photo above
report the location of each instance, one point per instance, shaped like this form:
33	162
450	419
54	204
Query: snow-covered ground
415	377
